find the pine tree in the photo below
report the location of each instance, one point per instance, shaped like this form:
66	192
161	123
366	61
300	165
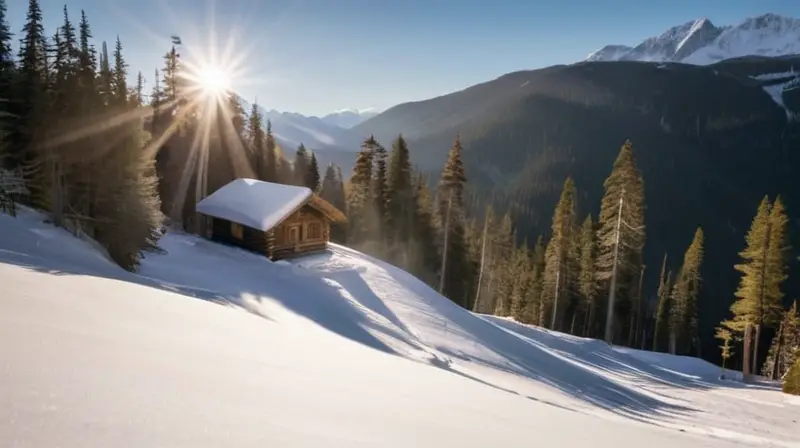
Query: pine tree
777	256
333	187
6	54
684	326
480	304
119	84
258	149
7	75
380	183
663	295
67	63
791	384
522	271
137	96
358	195
300	167
726	336
456	267
785	346
624	196
8	119
312	174
88	55
105	76
501	280
587	285
777	247
127	204
170	72
333	192
750	296
29	107
422	259
156	95
399	194
537	277
275	171
560	261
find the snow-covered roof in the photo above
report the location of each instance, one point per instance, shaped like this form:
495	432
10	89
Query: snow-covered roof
254	203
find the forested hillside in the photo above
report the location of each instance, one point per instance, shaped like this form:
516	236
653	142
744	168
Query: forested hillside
710	142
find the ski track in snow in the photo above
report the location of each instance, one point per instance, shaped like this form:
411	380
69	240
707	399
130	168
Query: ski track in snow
315	351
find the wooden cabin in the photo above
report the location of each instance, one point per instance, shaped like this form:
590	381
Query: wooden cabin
276	220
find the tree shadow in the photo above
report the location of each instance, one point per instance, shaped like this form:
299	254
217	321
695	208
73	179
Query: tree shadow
223	276
557	366
514	353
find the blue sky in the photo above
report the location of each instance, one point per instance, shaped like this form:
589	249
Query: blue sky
316	56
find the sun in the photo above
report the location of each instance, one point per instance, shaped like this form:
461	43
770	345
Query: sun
213	80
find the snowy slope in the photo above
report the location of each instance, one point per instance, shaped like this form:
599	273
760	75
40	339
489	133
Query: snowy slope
213	346
700	42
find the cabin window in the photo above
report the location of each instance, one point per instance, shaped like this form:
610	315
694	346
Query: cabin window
314	231
237	231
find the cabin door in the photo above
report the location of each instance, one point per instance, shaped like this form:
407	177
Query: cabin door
294	234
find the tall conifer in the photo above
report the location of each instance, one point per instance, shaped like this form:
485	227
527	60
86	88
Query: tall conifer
663	312
312	179
684	325
119	83
400	193
587	284
300	166
456	269
748	309
624	190
358	197
560	260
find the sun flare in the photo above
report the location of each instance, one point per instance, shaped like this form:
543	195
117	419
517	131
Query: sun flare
213	80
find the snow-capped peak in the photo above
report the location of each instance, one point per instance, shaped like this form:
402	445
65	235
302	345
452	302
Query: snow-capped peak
701	42
609	53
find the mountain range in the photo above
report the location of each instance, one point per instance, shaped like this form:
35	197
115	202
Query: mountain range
330	137
700	42
712	113
347	118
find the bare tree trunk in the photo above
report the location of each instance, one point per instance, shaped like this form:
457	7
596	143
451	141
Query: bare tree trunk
444	248
555	298
673	342
746	351
57	193
639	307
572	326
476	307
776	362
491	305
587	327
754	369
612	291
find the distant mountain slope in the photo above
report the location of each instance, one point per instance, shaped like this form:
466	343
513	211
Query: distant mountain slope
701	42
710	140
330	142
347	118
